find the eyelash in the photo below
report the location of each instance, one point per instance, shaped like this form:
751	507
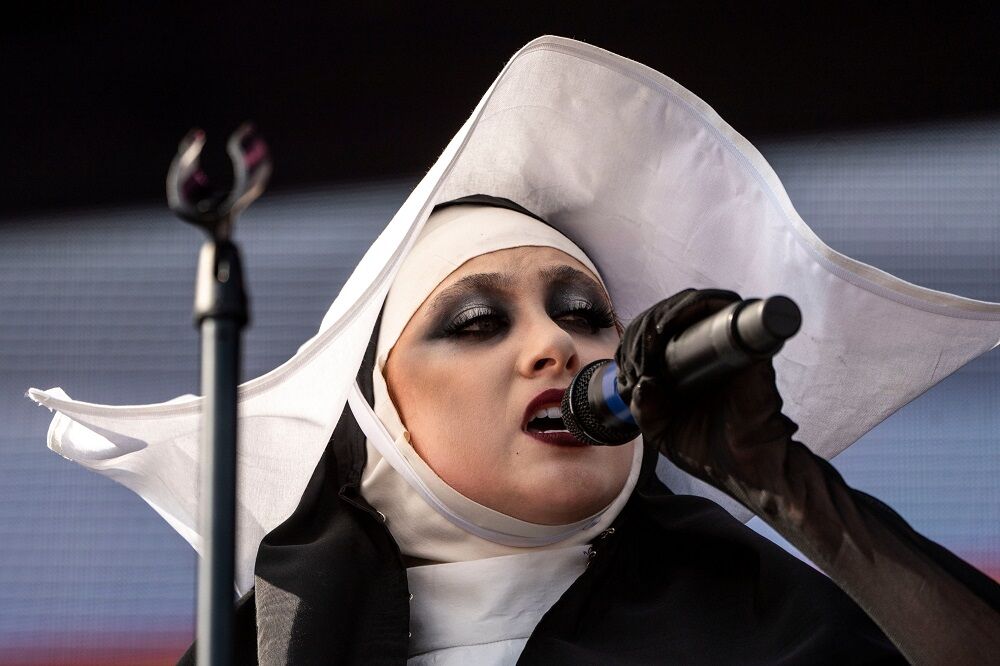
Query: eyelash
459	326
596	317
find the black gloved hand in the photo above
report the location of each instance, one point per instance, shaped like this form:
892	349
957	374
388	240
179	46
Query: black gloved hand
731	433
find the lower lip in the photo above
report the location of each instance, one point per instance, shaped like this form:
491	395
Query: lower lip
558	438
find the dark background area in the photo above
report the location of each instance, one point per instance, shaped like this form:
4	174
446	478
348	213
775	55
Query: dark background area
98	95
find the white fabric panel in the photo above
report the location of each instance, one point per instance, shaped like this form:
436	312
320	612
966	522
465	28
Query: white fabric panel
483	611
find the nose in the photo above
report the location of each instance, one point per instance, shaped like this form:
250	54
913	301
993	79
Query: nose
548	349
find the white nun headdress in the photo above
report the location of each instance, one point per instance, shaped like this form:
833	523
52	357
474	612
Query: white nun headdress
429	519
661	194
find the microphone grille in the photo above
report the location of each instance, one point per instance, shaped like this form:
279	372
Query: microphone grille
579	416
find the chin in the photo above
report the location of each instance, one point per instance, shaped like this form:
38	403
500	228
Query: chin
568	495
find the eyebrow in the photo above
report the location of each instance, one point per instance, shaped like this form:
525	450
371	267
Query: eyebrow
564	274
489	283
500	283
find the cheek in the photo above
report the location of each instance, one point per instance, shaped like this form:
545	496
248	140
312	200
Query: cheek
453	407
601	346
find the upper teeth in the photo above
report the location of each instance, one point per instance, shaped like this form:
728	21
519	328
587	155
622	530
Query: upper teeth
548	413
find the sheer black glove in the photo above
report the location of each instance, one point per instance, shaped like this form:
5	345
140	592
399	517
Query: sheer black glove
731	433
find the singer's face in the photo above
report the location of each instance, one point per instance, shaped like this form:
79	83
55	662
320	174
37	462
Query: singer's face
468	368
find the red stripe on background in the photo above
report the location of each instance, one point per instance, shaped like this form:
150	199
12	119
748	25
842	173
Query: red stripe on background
94	658
117	649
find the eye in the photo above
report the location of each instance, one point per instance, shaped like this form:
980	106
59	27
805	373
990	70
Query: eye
476	322
587	317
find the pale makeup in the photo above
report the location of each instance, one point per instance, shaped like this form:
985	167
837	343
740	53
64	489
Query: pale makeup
498	331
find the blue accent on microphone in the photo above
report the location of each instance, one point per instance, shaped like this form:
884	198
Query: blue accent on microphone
613	401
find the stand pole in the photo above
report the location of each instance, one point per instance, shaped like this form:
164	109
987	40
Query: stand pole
221	314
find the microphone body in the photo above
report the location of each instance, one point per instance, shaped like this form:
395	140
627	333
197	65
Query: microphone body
733	338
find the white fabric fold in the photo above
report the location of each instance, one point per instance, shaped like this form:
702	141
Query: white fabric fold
661	194
483	611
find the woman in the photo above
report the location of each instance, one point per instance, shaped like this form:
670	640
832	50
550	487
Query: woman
662	194
489	319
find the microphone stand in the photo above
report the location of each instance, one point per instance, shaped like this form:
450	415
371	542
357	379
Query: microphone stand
220	312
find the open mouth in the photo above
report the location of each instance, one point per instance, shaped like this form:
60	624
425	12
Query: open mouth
545	422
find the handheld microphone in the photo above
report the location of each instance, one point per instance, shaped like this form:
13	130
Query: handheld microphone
733	338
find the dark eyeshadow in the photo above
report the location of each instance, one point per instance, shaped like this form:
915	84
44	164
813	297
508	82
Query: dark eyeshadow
568	286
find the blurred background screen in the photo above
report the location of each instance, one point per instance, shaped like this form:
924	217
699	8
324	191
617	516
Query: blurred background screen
886	135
